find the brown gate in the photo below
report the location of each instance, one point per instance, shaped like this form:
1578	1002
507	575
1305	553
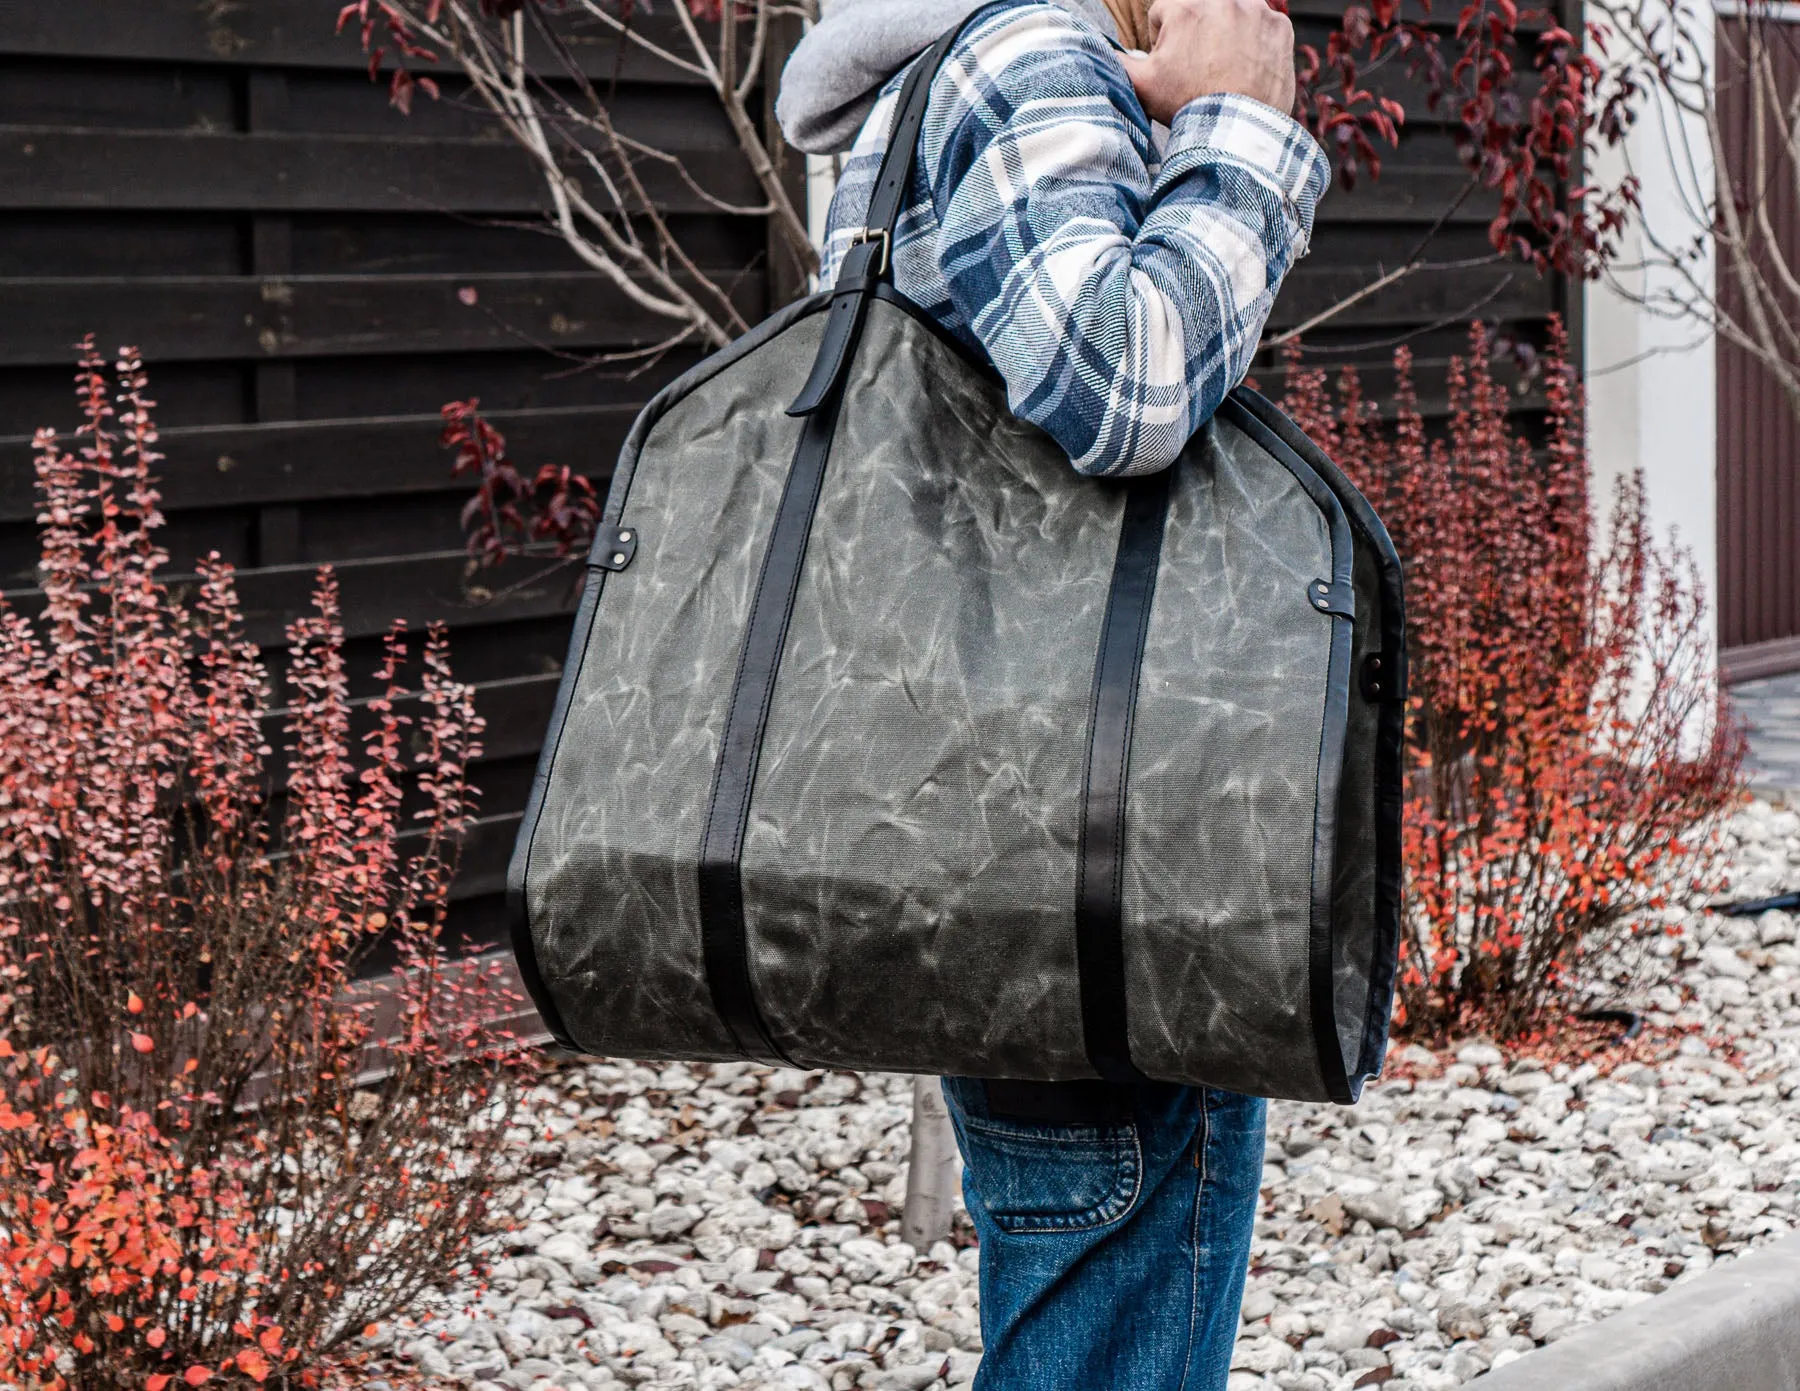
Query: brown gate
1759	438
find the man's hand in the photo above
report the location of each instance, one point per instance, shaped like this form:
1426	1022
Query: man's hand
1199	47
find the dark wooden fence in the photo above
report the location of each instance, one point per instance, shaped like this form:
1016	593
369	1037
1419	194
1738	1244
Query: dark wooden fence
219	184
1423	195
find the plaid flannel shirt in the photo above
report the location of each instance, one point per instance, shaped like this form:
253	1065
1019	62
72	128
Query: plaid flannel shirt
1118	289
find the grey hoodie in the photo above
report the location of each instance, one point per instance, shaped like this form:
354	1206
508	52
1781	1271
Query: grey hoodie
838	70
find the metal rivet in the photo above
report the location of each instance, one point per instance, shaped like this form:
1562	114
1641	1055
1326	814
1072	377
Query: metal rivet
1374	664
619	558
624	535
1374	688
1324	588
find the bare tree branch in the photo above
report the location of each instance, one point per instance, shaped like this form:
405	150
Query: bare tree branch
521	68
1694	63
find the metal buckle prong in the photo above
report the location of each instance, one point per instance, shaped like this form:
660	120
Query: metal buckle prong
880	234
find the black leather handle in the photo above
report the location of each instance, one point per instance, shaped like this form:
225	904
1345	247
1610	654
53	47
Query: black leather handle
871	260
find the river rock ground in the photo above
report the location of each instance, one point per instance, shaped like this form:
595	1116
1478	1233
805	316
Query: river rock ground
737	1226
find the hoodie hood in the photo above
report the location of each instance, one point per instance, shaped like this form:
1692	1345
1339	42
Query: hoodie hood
837	71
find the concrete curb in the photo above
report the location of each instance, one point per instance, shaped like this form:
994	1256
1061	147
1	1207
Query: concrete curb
1735	1328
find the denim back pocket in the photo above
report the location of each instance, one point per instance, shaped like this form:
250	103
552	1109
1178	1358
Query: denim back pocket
1048	1178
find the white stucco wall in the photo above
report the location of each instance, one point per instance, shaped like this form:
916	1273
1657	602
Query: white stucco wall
1651	383
821	183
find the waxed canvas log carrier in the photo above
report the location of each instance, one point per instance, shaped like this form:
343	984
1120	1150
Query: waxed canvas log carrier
887	741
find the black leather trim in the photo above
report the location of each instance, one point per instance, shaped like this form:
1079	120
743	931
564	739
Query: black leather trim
1382	678
897	160
518	910
857	277
1081	1103
613	548
518	869
870	262
1334	1069
1338	600
1100	866
1338	1069
1390	749
723	930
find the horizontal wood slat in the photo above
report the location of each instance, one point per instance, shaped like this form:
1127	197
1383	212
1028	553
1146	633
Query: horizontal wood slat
316	460
1754	660
516	711
1496	293
74	167
1418	195
274	33
190	318
486	850
421	589
485	853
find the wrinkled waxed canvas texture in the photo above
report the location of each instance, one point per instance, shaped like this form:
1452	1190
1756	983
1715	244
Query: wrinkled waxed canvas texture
1223	779
611	885
923	761
909	866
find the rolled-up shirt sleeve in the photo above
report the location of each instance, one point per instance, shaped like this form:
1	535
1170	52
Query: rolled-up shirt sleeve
1120	298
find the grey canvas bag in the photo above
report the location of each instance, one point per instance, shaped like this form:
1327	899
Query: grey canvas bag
887	741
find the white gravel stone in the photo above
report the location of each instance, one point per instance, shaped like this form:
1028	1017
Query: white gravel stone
731	1226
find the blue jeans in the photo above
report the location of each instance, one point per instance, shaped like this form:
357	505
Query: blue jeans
1115	1230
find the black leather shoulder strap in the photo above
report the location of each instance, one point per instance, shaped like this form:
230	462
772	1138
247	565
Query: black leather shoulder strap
724	930
1100	866
871	260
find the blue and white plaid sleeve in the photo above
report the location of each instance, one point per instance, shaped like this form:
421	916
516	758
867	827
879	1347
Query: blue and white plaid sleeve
1120	299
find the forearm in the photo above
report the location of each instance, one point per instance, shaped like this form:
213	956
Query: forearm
1120	317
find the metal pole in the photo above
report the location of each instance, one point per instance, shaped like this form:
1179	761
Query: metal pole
933	1172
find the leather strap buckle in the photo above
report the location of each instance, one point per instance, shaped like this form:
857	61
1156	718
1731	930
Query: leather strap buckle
875	234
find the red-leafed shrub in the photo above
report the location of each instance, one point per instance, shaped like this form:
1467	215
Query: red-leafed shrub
192	1185
1570	761
557	510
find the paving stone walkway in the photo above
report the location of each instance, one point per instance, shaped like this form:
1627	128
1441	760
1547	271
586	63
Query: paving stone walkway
1772	708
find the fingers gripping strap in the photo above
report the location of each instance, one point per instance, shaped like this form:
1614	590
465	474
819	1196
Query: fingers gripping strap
870	261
